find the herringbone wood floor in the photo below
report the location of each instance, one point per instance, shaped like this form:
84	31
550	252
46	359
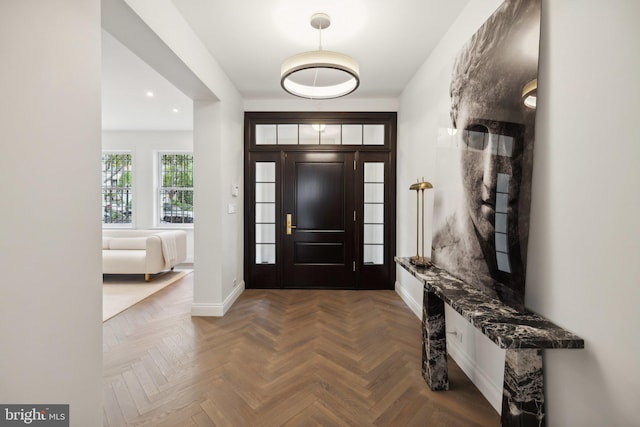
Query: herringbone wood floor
277	358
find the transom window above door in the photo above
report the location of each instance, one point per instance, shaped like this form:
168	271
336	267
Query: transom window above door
320	134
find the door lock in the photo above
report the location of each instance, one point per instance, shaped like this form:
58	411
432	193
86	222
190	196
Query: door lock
289	226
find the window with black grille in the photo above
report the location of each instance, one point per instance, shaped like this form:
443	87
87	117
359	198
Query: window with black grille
117	188
176	188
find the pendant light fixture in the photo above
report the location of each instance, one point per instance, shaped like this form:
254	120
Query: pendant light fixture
320	74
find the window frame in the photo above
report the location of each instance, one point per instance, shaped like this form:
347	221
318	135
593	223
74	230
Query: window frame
132	190
159	187
253	119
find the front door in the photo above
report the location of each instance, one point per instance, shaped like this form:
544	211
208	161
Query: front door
319	205
318	202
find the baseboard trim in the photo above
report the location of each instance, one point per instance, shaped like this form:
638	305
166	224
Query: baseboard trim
217	310
491	391
413	305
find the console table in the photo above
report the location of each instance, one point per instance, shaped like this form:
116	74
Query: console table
522	333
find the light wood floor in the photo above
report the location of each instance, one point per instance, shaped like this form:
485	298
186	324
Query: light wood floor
277	358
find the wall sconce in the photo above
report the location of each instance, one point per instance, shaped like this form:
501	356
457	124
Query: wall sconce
419	187
530	94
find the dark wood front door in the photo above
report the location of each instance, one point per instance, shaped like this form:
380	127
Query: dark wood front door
318	195
334	175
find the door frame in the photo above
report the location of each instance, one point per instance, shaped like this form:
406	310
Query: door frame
270	277
305	274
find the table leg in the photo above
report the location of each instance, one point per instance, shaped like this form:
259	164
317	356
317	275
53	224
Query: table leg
523	392
434	342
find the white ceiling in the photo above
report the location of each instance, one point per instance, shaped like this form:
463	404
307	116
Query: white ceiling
126	79
251	38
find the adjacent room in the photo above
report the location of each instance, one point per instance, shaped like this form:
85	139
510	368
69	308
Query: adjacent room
320	213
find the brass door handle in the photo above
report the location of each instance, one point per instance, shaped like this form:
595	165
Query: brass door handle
289	225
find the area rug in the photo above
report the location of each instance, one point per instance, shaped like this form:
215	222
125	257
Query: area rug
121	291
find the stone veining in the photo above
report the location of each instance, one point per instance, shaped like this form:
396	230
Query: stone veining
521	332
506	326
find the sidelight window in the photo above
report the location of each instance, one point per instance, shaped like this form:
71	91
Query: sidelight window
265	204
373	239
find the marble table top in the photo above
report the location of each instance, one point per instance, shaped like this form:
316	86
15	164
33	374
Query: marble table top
506	326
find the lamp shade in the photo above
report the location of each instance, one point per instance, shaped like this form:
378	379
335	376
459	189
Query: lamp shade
320	74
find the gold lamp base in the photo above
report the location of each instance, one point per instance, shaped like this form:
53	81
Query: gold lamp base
420	261
417	260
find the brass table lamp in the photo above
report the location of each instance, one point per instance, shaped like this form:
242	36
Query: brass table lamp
420	260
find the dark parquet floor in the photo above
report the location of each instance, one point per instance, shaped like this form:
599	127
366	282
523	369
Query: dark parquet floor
277	358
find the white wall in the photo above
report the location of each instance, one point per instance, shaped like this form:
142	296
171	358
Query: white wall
584	235
218	163
219	241
50	263
145	147
231	175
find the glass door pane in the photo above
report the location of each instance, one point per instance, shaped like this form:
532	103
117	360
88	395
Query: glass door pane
265	206
373	238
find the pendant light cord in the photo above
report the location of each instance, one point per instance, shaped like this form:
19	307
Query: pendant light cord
315	76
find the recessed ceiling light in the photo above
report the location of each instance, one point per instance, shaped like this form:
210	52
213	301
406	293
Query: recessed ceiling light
150	94
175	110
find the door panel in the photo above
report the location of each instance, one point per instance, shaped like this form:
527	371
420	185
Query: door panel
318	193
319	253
